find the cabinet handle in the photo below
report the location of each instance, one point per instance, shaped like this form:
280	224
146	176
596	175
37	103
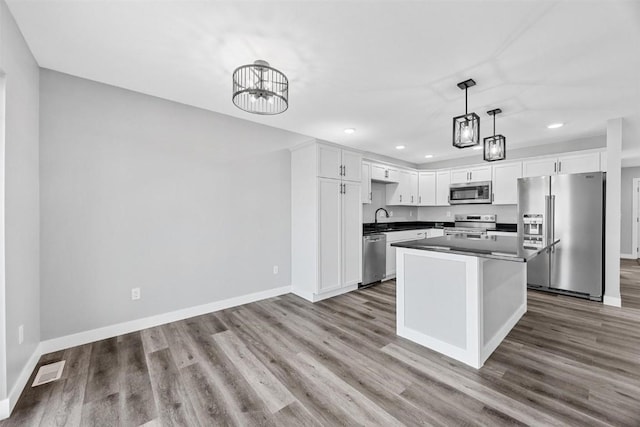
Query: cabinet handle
344	170
419	199
559	166
386	173
470	176
555	166
401	198
411	199
370	195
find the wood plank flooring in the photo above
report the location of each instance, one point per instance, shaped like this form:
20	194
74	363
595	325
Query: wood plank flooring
287	362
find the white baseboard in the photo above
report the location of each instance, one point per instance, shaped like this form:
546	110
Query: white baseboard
7	405
85	337
627	256
313	297
612	301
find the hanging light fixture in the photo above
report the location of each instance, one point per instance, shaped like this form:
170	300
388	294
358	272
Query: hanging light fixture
495	147
466	129
259	88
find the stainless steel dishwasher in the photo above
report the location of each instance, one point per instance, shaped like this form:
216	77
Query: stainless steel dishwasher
374	258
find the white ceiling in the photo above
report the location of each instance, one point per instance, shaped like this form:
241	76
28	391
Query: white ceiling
388	69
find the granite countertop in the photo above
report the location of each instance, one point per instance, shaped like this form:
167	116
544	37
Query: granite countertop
495	247
385	227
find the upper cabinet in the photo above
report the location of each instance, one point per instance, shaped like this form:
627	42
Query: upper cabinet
426	188
471	174
443	180
505	183
384	173
336	163
571	163
405	192
366	183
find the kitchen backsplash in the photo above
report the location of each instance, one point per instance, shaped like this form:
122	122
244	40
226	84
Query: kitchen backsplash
505	213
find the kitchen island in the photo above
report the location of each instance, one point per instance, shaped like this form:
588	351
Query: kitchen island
460	296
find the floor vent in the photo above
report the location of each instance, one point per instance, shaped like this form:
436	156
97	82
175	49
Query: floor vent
48	373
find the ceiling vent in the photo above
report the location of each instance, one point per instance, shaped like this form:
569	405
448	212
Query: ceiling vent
49	373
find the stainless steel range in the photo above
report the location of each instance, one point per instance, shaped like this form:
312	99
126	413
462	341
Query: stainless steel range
472	224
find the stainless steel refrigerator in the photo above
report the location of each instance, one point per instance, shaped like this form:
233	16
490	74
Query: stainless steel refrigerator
569	208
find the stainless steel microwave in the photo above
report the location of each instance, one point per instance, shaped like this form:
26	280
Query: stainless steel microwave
470	193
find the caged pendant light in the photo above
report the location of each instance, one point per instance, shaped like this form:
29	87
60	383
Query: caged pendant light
259	88
466	128
495	147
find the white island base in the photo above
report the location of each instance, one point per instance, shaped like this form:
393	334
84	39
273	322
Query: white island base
462	306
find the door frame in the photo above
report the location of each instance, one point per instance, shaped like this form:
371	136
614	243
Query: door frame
635	213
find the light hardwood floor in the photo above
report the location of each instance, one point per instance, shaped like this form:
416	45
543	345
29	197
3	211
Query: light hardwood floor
285	361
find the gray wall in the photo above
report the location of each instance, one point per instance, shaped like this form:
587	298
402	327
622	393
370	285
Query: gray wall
189	205
20	197
475	157
626	219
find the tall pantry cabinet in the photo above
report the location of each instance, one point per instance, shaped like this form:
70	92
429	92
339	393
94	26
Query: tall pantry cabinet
326	218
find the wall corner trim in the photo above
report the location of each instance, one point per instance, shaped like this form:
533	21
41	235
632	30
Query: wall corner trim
7	405
612	301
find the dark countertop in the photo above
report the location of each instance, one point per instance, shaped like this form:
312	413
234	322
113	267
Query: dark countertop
385	227
505	226
495	247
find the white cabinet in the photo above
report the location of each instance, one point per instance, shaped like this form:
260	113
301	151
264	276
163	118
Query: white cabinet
579	163
426	189
336	163
366	183
384	173
566	164
472	174
326	222
539	167
443	180
405	192
505	183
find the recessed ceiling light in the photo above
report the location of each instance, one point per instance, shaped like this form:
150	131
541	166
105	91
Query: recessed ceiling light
555	125
349	131
479	147
400	147
428	156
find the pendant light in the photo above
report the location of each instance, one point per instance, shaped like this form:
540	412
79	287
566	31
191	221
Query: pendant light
466	128
259	88
495	147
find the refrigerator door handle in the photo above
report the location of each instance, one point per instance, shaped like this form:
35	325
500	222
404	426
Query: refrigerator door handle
547	218
552	221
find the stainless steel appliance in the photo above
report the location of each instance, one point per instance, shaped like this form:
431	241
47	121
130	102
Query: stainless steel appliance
374	258
471	224
569	208
470	193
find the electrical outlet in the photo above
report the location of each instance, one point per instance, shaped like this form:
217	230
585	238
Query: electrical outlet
275	269
390	213
20	334
448	214
410	213
135	294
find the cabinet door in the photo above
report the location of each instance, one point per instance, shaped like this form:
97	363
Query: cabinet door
398	194
579	163
480	173
539	167
329	217
413	188
366	183
394	175
378	172
329	162
351	234
443	180
391	261
459	176
505	183
426	188
351	166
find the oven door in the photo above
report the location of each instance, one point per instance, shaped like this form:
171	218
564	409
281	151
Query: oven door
470	193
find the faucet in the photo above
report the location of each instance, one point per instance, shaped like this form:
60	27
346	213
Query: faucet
376	214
